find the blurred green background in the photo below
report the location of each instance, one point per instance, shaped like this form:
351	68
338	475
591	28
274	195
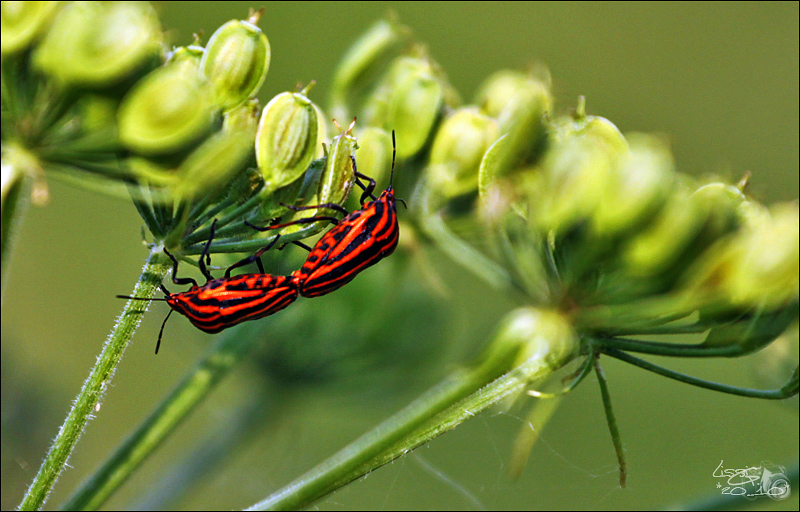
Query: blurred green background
720	80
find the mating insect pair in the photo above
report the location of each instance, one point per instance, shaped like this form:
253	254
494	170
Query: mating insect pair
359	240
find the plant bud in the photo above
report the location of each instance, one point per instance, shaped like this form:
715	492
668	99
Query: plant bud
723	206
658	246
287	139
458	149
638	187
599	129
236	62
155	173
244	117
189	56
99	43
374	153
528	334
337	176
574	174
758	267
519	103
166	111
22	23
362	63
409	101
221	157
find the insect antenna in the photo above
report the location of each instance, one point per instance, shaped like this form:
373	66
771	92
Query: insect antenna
139	298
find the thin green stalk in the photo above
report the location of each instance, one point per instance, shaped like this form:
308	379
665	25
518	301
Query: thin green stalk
202	234
237	245
466	255
671	349
434	227
16	200
194	387
85	405
612	423
460	396
790	389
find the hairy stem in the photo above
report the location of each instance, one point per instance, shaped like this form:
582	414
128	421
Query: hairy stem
85	405
460	396
194	387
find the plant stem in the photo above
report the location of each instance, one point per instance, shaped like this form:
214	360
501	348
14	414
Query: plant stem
16	199
85	405
194	387
460	396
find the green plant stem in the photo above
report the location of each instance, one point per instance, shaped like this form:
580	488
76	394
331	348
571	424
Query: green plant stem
460	396
611	419
85	405
671	349
790	389
194	387
465	255
16	200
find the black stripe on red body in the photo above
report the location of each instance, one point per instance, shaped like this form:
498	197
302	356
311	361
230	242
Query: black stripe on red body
222	303
358	241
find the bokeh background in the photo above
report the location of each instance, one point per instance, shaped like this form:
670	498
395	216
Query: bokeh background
719	80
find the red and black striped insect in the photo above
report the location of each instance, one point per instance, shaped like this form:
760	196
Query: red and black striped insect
359	240
228	301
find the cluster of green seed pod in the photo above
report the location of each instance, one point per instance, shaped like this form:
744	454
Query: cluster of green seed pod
579	217
179	129
391	84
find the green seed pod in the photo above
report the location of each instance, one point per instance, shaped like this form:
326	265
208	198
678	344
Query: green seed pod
409	100
244	117
638	187
154	173
530	334
499	94
759	266
287	139
414	111
458	150
666	238
221	157
236	62
22	23
599	129
575	173
519	103
337	177
723	203
99	43
186	56
166	111
374	153
359	68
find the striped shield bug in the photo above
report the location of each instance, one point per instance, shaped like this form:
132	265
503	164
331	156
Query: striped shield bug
228	301
359	240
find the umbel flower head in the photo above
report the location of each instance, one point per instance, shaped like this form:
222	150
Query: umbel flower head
177	129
